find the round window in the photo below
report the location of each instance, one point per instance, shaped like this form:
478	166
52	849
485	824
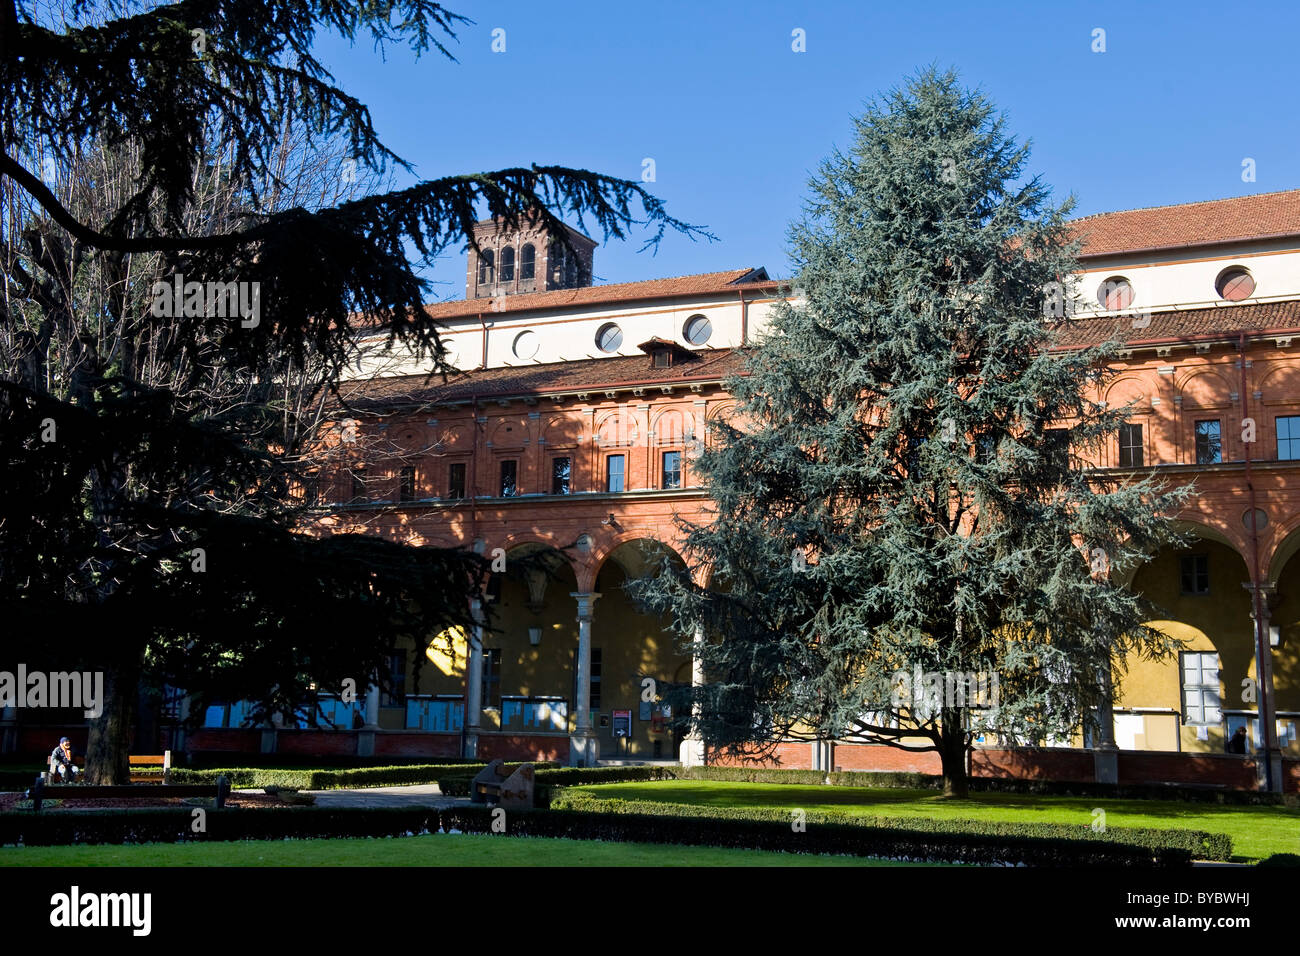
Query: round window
609	337
449	351
697	330
1235	284
1115	294
526	344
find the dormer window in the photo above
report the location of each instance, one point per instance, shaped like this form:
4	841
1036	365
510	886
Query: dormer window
665	353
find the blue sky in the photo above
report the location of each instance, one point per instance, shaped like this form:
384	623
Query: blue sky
736	121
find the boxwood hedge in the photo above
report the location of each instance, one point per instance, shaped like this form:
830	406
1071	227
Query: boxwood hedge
892	842
1200	844
174	825
251	778
924	781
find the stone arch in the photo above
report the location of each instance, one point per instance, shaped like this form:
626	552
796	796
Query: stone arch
616	428
1127	388
1218	620
1281	382
1288	547
451	437
1205	388
562	431
510	432
669	427
636	647
408	438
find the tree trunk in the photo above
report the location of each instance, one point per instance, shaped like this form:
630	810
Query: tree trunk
952	753
109	745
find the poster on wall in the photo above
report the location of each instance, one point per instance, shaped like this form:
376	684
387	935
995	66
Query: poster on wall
622	723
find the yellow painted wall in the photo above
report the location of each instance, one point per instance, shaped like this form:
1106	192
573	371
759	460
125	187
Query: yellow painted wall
1219	621
631	644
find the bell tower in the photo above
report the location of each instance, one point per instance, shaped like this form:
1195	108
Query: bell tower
525	259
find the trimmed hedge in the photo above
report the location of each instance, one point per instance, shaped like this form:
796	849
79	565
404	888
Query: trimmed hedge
1199	844
216	759
924	781
174	826
835	838
249	778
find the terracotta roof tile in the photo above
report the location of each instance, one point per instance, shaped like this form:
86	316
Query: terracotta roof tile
548	378
1191	224
1173	326
703	284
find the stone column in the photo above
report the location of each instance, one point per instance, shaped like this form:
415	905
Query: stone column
372	707
584	748
692	749
1105	755
474	683
1268	760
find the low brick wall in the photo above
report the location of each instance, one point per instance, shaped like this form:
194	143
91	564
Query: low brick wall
216	740
335	743
788	756
1138	766
416	744
1030	763
1039	763
38	742
513	747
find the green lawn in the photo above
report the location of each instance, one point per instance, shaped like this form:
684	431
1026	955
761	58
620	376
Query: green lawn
1256	832
429	850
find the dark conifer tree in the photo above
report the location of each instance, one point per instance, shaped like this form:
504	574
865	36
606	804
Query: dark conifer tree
900	498
148	457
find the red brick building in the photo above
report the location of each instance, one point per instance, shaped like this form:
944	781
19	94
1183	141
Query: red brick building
580	407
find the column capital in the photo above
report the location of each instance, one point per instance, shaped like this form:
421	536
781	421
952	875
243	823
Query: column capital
585	601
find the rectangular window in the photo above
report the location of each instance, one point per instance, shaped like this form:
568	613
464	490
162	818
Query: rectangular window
1195	573
456	480
395	695
1288	438
1201	689
672	469
492	678
358	484
311	489
509	478
1056	443
560	471
614	465
593	683
1209	450
985	449
662	359
1130	446
406	484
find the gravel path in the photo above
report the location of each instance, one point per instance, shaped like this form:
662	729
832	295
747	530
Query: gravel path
422	795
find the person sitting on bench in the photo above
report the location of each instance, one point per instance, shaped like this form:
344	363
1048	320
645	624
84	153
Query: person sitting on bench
61	764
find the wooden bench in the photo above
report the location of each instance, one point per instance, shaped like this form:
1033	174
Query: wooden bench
163	761
494	786
41	791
